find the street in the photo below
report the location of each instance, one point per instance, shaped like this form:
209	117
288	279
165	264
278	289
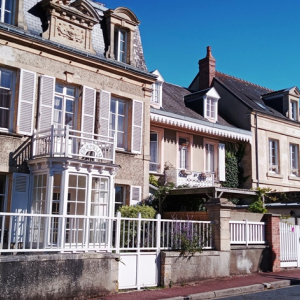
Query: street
292	292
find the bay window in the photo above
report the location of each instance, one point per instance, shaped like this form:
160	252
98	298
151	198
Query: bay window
294	167
273	156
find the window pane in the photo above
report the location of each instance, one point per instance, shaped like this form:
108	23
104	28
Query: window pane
69	119
71	91
59	88
4	118
58	103
121	108
113	106
8	5
72	180
6	79
81	181
69	106
120	140
121	123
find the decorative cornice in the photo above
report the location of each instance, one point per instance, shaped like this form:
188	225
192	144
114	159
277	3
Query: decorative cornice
209	129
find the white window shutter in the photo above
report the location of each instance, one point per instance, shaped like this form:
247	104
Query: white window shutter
20	193
47	88
222	175
88	110
135	195
137	127
104	108
26	102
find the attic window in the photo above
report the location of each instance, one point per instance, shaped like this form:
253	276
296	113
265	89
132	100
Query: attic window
294	110
210	108
121	45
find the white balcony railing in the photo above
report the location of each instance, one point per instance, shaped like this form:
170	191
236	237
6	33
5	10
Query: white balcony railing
190	178
66	142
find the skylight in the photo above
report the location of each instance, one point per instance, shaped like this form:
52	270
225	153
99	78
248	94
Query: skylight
261	105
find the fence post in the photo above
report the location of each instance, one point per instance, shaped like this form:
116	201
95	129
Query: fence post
246	232
52	141
273	240
138	251
219	212
118	232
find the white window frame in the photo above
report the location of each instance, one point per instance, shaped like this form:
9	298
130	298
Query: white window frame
294	161
3	10
294	110
210	159
274	156
156	97
125	129
11	109
160	150
211	103
65	97
215	145
118	42
184	150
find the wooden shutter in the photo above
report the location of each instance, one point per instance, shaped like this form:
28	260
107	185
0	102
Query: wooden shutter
104	107
20	193
88	111
135	195
26	102
47	88
222	175
137	127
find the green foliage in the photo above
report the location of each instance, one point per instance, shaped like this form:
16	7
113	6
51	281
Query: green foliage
257	205
147	212
234	154
153	180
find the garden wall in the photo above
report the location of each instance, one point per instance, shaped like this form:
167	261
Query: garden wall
58	276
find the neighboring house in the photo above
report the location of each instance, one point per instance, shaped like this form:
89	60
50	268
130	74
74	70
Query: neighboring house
188	146
272	117
74	108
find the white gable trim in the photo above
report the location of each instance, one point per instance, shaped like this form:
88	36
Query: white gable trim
201	128
213	93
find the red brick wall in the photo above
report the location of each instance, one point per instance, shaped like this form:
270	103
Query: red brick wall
273	240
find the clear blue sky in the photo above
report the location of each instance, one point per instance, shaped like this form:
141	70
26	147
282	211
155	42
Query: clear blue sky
256	40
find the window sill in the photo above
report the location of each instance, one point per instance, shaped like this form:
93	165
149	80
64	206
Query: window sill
9	133
274	175
126	152
293	177
156	173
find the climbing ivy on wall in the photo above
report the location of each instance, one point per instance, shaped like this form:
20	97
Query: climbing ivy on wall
234	154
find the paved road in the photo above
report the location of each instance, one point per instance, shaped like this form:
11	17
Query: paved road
291	293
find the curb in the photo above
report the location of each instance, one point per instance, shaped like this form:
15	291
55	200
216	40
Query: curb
255	288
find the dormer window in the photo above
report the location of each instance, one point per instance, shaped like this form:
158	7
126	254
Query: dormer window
121	45
156	98
6	11
210	108
294	110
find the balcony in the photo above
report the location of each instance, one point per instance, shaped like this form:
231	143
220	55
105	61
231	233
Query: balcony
190	178
66	142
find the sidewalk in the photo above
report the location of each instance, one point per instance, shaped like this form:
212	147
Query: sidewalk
215	288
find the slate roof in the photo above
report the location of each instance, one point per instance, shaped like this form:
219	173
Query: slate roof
173	102
249	93
34	15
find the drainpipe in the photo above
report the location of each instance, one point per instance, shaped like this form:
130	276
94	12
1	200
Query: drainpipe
256	151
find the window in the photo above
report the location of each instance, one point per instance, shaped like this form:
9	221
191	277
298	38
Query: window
6	110
210	108
39	194
2	192
156	93
118	125
154	162
183	153
64	106
273	156
210	158
6	11
121	45
120	196
100	199
294	160
294	110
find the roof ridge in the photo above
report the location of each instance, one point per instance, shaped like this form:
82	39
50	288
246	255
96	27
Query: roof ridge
245	81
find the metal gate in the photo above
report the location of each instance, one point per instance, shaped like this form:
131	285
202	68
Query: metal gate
139	242
289	245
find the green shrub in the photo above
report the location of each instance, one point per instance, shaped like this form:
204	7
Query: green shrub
147	212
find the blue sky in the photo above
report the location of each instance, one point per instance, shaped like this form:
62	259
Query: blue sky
256	40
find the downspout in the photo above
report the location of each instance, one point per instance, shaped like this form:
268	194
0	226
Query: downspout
256	151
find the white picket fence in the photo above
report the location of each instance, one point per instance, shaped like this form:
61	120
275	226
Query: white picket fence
245	232
70	233
289	245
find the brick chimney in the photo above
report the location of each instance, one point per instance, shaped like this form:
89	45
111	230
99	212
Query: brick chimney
207	70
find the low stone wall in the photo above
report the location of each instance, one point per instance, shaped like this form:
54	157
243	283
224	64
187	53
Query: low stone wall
58	276
176	268
251	259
